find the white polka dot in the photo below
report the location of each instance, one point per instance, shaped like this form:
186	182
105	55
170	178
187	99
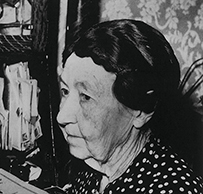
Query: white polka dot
163	155
137	164
170	169
123	190
179	169
130	180
166	184
155	180
110	192
183	178
149	172
144	160
117	188
165	176
174	174
150	191
194	182
120	178
163	191
163	163
142	169
158	173
175	181
176	161
128	170
137	190
151	145
156	156
150	152
160	186
78	180
181	189
170	191
151	185
125	180
154	175
155	165
80	188
198	178
144	150
131	186
163	147
187	183
139	175
195	190
94	191
143	189
189	192
140	181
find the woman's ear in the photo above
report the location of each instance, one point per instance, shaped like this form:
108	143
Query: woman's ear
140	118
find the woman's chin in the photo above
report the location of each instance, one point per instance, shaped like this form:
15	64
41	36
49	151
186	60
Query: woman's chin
79	152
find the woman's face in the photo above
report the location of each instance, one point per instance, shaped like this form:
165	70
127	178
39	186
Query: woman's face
93	122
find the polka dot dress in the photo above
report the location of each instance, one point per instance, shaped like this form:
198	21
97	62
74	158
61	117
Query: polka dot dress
155	170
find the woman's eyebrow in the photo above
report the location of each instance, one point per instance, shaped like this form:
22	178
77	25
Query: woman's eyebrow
86	86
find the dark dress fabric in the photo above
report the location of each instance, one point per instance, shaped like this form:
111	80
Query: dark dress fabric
157	169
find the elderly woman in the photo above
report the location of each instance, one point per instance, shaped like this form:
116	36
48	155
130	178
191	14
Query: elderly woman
117	79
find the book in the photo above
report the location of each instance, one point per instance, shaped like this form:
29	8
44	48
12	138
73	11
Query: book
10	184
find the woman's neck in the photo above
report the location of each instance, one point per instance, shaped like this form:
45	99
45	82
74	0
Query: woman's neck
121	158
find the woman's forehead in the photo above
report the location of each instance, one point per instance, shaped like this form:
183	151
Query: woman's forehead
85	68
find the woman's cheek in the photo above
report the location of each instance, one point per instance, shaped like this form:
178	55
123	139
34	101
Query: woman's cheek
87	111
91	110
92	119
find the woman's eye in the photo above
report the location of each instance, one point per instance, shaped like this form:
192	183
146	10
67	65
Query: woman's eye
64	92
84	97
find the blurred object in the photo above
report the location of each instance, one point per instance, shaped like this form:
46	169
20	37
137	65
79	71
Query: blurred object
195	67
17	168
15	48
10	184
12	3
11	43
34	173
15	17
40	24
55	190
20	127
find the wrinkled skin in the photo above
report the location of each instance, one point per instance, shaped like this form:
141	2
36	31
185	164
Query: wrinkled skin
92	120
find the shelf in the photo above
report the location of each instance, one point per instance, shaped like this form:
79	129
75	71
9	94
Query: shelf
14	48
15	43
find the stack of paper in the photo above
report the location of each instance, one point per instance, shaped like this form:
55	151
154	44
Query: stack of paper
19	118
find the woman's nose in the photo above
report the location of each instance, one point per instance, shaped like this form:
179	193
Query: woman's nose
67	113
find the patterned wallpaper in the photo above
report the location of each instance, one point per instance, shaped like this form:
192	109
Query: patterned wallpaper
181	22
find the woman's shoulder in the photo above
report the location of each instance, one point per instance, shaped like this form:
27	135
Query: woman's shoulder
159	167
